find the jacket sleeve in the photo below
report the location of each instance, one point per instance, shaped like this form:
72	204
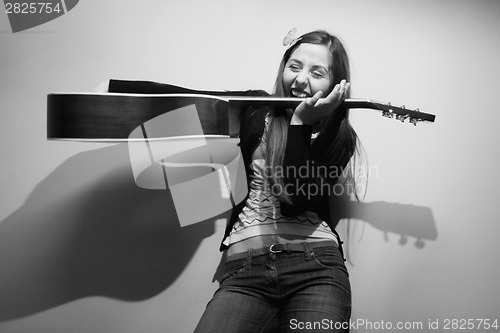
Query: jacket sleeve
307	178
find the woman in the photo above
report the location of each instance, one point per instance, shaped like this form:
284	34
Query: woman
285	268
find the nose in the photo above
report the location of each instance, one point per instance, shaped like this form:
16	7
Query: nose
301	79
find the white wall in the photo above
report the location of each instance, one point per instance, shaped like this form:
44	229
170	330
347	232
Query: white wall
82	249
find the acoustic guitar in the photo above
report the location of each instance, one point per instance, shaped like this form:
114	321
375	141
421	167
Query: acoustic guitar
113	116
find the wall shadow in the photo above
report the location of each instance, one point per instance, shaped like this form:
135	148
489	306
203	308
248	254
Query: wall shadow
405	220
88	230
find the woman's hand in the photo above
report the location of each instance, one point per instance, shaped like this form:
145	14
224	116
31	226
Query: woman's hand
313	109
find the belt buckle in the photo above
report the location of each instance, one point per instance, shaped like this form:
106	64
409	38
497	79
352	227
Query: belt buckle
274	251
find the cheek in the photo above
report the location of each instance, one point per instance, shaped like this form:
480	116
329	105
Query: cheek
288	78
323	85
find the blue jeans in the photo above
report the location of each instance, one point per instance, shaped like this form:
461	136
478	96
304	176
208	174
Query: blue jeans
284	292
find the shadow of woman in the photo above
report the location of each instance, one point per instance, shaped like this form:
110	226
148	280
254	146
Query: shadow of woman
88	230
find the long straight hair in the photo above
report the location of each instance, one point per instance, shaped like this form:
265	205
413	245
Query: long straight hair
340	150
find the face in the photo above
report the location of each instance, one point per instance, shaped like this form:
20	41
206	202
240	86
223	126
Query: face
307	71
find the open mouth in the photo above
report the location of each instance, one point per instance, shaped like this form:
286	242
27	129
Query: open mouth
299	93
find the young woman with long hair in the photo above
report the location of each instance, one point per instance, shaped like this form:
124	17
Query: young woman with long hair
285	267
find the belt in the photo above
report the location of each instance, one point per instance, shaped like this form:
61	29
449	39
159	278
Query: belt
280	247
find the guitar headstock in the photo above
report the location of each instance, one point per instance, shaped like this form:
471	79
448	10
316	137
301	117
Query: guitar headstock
401	113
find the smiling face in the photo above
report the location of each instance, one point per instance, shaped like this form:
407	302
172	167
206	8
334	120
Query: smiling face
308	71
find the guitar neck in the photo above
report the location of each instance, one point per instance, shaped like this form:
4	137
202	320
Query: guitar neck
388	110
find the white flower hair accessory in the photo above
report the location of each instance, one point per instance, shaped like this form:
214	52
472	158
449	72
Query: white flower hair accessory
290	38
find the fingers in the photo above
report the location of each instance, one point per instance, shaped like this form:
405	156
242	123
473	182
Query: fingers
314	108
344	89
313	100
339	92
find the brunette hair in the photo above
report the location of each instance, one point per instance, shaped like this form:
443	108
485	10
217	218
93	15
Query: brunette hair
344	146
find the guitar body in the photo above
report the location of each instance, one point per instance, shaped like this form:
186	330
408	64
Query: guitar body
113	117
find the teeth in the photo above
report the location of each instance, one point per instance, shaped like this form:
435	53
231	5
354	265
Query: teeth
299	94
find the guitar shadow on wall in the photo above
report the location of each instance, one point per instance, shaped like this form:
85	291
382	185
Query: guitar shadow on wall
88	230
405	220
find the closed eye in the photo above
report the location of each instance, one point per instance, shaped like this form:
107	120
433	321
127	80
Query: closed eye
294	67
317	75
294	64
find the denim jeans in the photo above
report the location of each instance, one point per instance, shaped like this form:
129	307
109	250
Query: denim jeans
284	292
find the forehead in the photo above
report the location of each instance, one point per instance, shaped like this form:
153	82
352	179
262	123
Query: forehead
313	55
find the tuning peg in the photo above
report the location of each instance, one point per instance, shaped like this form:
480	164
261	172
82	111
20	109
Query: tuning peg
388	114
402	117
414	121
